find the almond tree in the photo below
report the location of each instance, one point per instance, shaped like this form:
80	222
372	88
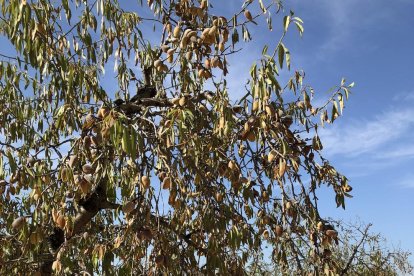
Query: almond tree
167	173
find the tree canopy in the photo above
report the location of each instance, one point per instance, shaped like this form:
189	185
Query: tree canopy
166	172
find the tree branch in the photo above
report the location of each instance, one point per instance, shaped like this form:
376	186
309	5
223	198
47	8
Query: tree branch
90	206
345	270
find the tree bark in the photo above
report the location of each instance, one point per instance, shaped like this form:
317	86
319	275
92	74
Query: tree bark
90	206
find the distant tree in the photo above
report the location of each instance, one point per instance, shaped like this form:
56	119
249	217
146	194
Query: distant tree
176	179
360	252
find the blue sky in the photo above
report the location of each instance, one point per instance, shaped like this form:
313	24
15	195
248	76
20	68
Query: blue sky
371	43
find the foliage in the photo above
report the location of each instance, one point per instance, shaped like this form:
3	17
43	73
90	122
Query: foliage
360	252
187	181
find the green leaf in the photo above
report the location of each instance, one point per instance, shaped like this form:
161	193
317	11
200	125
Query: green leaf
341	102
253	71
1	167
306	99
65	4
125	143
346	92
134	145
300	28
298	19
12	162
286	22
262	6
287	55
285	147
281	52
264	51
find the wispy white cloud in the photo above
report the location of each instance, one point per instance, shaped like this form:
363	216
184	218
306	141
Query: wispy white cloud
368	136
340	21
402	151
404	97
407	181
